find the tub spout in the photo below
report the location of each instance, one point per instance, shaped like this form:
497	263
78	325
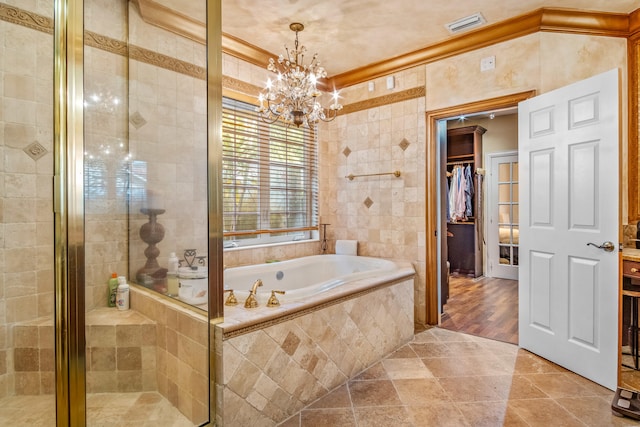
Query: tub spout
251	301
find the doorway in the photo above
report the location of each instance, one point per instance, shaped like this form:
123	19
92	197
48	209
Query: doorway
481	299
463	289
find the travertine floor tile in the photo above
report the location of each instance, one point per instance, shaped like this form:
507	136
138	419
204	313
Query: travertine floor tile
415	392
593	411
543	413
376	372
470	389
437	415
442	379
327	418
396	416
490	414
406	368
338	398
373	393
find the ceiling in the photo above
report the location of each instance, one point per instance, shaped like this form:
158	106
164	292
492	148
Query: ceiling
349	34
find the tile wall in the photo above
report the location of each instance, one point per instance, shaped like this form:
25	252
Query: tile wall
26	229
181	367
385	214
271	373
106	146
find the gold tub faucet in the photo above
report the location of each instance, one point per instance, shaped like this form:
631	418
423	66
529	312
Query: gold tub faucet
251	301
273	300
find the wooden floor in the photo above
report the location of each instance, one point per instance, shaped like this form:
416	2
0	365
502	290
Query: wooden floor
485	307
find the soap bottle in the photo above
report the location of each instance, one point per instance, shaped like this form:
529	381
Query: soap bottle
122	295
172	275
113	288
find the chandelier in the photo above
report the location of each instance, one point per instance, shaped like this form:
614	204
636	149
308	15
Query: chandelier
293	96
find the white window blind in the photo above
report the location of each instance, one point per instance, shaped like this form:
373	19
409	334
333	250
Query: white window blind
270	186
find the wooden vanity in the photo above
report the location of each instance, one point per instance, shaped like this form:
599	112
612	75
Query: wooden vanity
630	353
627	398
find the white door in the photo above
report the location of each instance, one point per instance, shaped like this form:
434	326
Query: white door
503	212
568	293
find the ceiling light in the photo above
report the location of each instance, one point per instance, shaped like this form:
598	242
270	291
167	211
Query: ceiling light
466	23
293	96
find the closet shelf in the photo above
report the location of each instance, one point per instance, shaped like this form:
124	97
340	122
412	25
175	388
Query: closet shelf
462	157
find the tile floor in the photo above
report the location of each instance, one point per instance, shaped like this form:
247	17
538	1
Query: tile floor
446	378
145	409
442	378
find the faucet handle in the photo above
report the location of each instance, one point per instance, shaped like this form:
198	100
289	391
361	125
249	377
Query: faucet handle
273	300
231	299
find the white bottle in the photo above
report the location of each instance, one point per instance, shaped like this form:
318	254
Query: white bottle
122	295
172	275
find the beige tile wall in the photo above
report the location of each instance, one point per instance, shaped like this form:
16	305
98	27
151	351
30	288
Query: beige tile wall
172	143
269	374
372	141
26	229
181	346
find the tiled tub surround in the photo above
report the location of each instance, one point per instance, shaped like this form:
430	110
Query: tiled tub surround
273	362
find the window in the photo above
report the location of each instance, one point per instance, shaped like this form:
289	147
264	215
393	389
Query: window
269	174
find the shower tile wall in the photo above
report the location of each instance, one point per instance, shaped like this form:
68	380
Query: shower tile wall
106	151
26	229
172	144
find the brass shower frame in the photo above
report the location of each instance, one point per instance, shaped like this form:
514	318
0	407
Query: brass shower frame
68	207
68	204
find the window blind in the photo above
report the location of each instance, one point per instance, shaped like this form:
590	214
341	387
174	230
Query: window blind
270	186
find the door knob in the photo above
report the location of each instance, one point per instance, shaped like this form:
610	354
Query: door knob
606	246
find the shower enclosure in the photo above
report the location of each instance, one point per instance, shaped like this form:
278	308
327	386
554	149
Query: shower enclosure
120	112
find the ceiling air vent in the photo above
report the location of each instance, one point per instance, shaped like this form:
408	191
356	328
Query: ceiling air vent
466	23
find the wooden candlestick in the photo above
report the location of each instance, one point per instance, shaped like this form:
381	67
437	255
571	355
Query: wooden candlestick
151	233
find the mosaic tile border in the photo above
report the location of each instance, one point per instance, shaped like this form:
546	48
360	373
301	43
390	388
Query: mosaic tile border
308	310
105	43
405	95
25	18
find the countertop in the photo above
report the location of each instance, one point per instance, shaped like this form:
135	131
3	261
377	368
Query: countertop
631	254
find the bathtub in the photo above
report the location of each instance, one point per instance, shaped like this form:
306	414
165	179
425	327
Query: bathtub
340	314
305	277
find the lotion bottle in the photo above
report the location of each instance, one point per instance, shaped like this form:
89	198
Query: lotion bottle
122	296
113	288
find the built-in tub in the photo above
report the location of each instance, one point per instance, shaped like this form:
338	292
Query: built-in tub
307	282
340	315
307	276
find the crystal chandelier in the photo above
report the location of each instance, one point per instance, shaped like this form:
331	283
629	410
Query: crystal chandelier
293	96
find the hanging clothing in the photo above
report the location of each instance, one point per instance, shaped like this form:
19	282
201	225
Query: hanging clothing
460	194
468	191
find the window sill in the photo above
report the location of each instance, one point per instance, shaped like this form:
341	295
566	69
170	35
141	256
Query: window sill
271	245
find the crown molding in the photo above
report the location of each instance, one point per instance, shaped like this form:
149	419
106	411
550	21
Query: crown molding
545	19
634	22
154	13
169	19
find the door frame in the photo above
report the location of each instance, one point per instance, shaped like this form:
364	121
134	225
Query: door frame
433	228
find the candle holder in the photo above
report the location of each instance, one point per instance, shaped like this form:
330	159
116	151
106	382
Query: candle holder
152	233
